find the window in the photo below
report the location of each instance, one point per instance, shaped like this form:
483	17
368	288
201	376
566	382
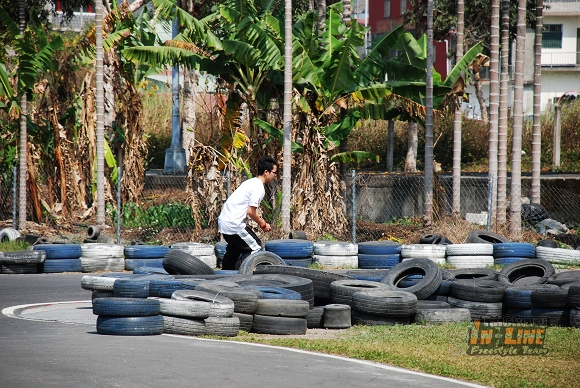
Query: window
403	6
387	9
552	36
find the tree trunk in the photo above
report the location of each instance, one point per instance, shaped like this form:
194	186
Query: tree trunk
412	144
287	117
456	210
321	6
503	117
516	184
100	114
537	128
429	120
476	82
22	157
188	113
390	145
494	103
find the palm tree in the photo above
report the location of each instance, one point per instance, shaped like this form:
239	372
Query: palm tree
458	116
537	128
100	107
516	184
494	101
503	116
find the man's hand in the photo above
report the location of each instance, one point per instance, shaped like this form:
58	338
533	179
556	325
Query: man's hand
266	227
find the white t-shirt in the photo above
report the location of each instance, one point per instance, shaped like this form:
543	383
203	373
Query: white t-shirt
233	215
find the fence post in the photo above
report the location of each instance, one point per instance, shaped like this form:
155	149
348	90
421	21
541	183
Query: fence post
489	200
556	138
353	206
14	195
119	205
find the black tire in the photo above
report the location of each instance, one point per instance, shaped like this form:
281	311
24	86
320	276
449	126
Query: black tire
259	259
279	325
222	326
183	326
379	248
485	291
575	317
282	308
438	316
432	304
321	280
425	287
132	326
373	275
547	243
245	301
93	232
482	236
177	262
574	295
532	213
341	291
314	319
385	303
539	270
475	273
337	316
358	318
19	268
428	238
479	310
442	240
297	235
23	257
126	307
549	298
303	263
131	288
565	277
552	317
246	321
520	297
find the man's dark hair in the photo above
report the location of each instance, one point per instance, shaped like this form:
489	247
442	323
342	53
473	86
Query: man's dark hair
267	163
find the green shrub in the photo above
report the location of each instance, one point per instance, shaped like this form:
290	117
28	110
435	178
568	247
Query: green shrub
166	215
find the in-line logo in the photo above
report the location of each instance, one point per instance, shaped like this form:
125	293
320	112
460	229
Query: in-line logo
506	339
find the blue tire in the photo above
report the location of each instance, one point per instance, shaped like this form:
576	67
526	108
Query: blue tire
165	288
131	287
304	263
367	261
149	271
276	292
61	265
126	307
514	249
226	271
131	264
220	249
60	251
145	251
151	325
373	275
290	248
507	260
379	248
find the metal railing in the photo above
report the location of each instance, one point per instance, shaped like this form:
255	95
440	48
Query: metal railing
560	59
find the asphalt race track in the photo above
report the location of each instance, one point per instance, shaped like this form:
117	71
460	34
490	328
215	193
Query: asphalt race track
37	349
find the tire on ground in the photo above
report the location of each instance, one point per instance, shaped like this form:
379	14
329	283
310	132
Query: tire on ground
426	286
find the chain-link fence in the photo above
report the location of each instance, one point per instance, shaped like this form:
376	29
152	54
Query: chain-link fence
377	206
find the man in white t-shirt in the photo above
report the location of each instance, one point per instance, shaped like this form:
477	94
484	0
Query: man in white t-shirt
241	239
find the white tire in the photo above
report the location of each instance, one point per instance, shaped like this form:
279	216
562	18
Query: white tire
194	249
470	261
194	308
335	248
558	255
436	260
102	251
336	261
114	264
210	260
9	234
92	282
423	251
470	250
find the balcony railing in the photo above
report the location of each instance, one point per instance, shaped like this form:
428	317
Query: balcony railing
561	1
561	59
76	23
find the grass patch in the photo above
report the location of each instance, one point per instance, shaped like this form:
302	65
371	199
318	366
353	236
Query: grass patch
13	246
440	350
